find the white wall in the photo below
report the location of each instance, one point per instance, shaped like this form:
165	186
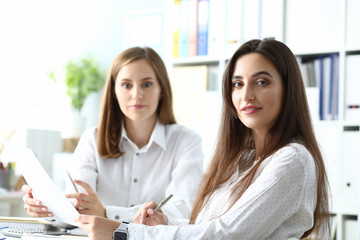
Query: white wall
41	35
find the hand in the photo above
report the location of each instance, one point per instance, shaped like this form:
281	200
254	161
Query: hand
33	207
98	228
157	217
87	203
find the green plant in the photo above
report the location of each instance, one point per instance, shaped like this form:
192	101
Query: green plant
81	78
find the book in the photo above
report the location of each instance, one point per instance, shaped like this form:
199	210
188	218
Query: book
203	27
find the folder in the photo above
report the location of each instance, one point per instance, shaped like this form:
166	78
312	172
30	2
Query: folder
193	26
176	28
203	27
184	28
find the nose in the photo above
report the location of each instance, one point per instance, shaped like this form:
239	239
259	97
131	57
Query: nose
137	92
248	93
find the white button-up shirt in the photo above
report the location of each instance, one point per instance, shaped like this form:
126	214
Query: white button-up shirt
279	204
171	163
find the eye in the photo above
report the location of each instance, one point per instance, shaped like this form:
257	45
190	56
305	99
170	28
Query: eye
147	84
126	85
262	82
237	84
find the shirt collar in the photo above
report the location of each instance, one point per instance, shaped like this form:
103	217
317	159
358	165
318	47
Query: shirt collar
157	136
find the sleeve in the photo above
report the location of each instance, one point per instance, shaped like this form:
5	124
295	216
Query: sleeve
285	188
84	167
185	176
121	213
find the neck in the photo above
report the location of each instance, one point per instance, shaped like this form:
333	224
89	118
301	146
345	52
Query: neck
140	132
259	144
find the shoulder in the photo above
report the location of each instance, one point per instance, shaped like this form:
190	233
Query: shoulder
89	136
294	152
294	157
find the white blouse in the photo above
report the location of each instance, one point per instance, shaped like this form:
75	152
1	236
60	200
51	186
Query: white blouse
171	163
279	204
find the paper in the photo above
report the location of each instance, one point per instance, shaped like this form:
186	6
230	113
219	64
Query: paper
43	188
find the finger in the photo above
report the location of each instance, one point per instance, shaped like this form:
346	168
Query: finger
75	195
37	211
31	201
26	189
85	186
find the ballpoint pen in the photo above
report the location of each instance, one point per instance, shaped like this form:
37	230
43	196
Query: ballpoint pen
161	204
76	189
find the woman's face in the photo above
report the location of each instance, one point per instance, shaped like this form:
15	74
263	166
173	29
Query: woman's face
257	92
138	91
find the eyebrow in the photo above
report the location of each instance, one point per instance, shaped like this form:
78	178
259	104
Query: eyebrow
254	75
143	79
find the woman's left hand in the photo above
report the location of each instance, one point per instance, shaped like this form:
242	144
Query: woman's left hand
98	228
87	203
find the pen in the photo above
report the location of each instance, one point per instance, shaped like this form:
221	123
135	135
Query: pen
72	181
161	204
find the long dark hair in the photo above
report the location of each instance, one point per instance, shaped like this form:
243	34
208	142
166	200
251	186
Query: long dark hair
294	115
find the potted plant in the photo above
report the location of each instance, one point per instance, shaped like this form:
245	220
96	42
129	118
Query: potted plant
81	77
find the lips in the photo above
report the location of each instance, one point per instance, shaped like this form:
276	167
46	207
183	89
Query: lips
250	109
137	106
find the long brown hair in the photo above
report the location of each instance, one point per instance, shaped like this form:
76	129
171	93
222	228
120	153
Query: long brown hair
233	153
111	116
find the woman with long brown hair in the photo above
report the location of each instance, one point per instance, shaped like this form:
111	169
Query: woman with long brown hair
267	178
138	152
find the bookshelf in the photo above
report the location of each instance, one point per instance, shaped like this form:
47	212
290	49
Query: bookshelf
312	29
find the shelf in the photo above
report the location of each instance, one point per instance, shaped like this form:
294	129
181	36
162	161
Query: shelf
198	60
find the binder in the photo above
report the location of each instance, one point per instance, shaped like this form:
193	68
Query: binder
176	33
203	27
184	28
216	7
193	26
352	86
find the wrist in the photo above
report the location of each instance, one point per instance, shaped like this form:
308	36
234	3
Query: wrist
121	233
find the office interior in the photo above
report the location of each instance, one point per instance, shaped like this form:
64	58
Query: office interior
40	36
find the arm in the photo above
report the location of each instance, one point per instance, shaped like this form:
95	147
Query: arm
84	170
279	204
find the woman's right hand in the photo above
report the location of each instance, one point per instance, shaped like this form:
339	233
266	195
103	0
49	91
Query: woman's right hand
33	207
147	215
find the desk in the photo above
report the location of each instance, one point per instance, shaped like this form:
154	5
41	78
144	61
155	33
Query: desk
12	205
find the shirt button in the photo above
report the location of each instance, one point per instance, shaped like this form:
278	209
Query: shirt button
137	154
117	217
135	180
132	205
